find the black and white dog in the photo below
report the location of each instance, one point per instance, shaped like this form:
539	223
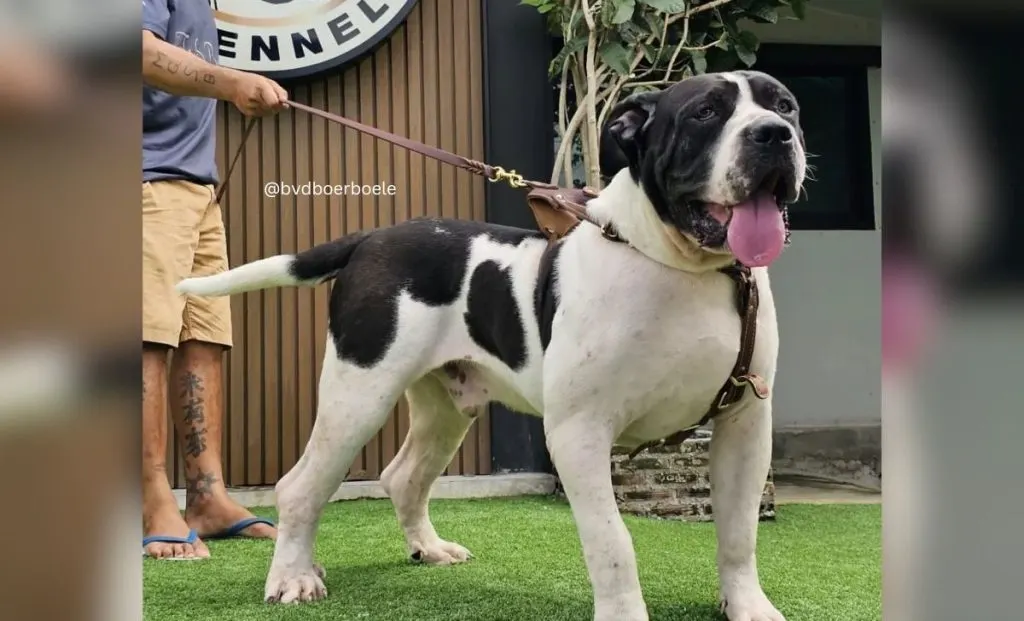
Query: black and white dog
612	344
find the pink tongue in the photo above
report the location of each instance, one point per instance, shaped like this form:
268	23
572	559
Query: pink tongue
757	231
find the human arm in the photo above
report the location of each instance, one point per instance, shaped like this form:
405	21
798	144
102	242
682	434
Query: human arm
179	72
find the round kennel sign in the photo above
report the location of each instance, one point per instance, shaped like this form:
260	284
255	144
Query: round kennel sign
297	38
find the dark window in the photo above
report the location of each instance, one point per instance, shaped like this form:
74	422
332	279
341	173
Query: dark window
830	83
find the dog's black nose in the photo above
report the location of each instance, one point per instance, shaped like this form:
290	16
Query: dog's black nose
770	133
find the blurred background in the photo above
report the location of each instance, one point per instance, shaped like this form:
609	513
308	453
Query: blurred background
952	311
70	128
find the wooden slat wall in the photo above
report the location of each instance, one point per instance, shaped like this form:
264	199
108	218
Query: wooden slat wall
425	83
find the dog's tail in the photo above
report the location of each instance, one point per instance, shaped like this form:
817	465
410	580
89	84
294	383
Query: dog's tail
306	269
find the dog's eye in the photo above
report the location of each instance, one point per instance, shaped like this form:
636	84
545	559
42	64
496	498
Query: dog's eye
705	112
784	106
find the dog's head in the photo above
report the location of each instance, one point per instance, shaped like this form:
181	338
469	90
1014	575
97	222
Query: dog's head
718	155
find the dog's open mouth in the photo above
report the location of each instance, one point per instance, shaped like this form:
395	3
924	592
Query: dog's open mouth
756	227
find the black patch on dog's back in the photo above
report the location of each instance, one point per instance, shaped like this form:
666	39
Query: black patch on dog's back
492	315
425	257
322	263
545	293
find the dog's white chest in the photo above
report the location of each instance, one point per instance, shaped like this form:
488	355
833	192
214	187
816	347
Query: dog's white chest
646	344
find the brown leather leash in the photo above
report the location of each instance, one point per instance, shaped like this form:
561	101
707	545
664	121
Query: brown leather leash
556	208
558	212
250	123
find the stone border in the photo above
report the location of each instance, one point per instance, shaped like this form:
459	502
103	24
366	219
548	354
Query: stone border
673	482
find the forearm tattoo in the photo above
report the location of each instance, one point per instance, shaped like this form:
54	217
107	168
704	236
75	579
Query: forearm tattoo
162	61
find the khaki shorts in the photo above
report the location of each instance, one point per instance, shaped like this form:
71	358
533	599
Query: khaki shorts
182	235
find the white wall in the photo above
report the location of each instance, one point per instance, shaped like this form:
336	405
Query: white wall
828	22
827	284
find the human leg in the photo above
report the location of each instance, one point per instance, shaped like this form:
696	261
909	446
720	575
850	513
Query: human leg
166	253
197	388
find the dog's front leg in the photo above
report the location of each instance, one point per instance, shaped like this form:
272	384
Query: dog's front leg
741	448
580	448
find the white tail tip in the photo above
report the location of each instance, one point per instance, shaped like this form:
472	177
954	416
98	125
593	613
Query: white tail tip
262	274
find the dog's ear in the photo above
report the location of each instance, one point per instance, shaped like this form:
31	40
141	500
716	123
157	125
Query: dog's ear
622	134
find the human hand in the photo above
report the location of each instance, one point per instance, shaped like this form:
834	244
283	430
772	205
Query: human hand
255	95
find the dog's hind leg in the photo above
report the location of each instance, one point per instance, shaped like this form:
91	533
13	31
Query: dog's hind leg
437	426
354	404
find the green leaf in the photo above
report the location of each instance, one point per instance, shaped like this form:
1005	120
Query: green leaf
604	16
699	60
650	52
622	10
545	8
748	57
533	2
731	28
555	21
746	45
799	8
575	20
764	15
576	45
668	6
748	41
631	33
616	56
655	22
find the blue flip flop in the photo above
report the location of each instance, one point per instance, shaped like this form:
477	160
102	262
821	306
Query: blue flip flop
191	538
235	529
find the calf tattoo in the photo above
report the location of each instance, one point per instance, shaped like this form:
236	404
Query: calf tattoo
199	487
195	442
195	414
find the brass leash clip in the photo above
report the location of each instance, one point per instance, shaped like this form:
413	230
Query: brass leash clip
513	178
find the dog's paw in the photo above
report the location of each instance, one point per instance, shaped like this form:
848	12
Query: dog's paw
627	606
439	552
750	605
296	586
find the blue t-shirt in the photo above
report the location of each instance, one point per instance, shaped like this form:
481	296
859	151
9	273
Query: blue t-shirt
179	133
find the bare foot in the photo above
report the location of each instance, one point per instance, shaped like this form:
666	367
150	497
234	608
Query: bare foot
215	513
165	519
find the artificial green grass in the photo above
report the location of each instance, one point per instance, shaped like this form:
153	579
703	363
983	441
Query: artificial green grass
817	563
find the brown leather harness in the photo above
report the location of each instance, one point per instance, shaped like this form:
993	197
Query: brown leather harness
558	212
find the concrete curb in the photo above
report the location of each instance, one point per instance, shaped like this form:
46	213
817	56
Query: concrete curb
525	484
786	494
850	454
483	486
